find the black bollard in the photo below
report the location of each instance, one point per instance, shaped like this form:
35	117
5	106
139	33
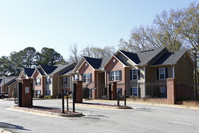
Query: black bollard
67	102
109	91
74	96
124	97
118	99
62	101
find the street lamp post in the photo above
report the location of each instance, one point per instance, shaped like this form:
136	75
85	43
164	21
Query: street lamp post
195	56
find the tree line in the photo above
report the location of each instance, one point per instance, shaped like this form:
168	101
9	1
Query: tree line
30	58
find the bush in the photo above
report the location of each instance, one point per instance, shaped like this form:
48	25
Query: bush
41	96
48	97
135	97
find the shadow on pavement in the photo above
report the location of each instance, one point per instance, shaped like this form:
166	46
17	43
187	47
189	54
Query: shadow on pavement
9	126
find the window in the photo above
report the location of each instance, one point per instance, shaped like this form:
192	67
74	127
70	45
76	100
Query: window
76	77
115	75
64	80
87	77
163	91
38	93
48	81
134	74
37	81
161	73
134	91
47	92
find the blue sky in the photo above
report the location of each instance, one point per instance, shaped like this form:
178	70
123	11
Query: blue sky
59	24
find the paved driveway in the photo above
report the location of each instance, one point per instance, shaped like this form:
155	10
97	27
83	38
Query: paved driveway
142	119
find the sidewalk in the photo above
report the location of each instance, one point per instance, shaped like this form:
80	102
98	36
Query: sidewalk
145	103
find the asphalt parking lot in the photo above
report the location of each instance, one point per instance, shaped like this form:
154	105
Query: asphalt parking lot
142	119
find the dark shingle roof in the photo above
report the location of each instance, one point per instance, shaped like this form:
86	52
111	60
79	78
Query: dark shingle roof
121	60
68	71
133	56
143	57
11	82
94	62
105	60
7	79
29	71
169	58
39	69
48	69
60	67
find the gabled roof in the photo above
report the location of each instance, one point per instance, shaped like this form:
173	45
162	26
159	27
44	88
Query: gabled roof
170	58
142	57
10	83
40	71
48	69
7	80
104	61
117	58
29	71
147	56
61	67
133	56
94	62
68	71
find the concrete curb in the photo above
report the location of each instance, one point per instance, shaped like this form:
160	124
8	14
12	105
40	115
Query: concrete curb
46	112
149	103
101	106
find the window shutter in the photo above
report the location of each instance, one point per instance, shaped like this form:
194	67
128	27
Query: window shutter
91	77
131	91
66	79
109	76
138	74
131	74
120	73
35	81
157	73
166	72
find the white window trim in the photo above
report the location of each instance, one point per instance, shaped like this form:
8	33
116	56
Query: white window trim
135	74
163	68
114	75
86	74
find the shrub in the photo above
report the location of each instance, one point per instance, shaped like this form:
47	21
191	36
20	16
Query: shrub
47	97
41	96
